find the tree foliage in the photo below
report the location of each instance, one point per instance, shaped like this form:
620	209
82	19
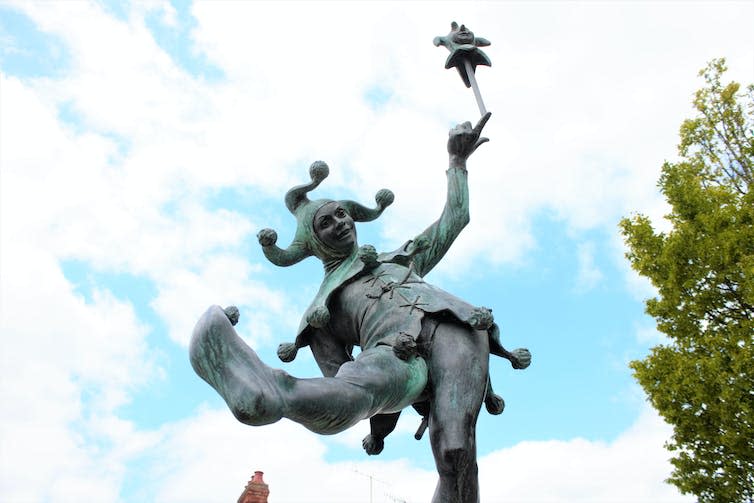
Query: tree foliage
702	380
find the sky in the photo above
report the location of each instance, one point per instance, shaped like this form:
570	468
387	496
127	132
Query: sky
144	144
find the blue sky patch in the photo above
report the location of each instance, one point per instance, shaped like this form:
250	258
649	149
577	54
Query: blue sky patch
378	96
27	52
138	290
117	8
68	115
177	43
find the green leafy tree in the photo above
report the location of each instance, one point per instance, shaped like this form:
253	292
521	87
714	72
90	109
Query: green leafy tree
702	380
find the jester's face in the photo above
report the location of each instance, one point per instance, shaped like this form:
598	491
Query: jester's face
463	36
334	227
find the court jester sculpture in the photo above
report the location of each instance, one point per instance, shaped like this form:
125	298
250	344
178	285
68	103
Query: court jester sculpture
420	345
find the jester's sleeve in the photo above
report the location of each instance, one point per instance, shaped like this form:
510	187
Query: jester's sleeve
441	234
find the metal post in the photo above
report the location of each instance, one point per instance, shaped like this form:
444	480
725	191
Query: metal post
474	86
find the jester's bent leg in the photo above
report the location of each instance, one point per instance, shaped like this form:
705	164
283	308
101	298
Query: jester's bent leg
376	382
380	426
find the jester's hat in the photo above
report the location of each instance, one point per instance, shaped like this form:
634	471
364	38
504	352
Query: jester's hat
305	242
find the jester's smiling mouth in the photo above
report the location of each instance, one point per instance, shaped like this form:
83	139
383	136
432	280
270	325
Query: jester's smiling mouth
465	37
345	233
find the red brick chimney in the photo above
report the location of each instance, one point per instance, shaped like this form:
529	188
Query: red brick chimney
256	490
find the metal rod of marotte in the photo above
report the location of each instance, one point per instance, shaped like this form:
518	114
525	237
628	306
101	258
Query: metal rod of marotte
474	86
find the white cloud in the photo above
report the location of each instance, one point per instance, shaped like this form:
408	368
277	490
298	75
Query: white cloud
630	468
67	365
228	280
222	453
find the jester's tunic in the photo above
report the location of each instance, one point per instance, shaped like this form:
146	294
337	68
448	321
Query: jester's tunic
391	304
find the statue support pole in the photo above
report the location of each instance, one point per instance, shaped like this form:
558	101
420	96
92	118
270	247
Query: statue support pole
475	87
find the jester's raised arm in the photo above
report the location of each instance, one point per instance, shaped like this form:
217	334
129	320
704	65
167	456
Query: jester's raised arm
432	244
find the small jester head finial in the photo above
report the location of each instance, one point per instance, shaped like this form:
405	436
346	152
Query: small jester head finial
463	45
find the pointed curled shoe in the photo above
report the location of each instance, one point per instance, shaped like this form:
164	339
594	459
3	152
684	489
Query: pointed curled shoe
252	390
373	444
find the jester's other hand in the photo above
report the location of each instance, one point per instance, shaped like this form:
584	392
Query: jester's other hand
463	140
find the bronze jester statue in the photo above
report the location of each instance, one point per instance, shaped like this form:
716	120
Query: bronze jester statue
419	345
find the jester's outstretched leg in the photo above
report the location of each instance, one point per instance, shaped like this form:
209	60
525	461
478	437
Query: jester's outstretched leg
376	382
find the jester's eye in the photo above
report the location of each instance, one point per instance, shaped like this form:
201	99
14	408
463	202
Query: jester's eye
340	213
324	222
